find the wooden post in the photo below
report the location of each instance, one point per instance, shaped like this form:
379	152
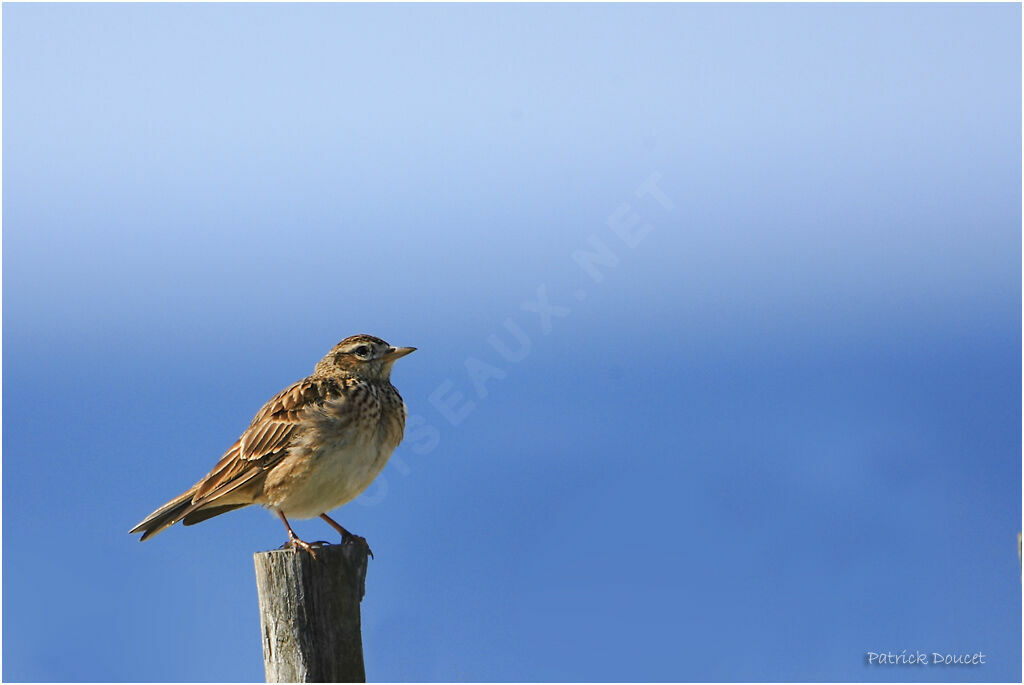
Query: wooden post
309	614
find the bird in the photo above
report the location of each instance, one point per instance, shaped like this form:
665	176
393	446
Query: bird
311	448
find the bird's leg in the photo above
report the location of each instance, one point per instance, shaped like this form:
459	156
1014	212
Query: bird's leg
345	535
294	541
337	526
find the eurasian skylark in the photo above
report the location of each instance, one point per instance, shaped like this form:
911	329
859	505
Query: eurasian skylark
313	447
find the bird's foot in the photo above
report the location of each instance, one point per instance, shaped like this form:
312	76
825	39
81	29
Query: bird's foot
351	538
295	544
346	536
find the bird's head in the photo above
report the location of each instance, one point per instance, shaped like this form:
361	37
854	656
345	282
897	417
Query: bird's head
363	356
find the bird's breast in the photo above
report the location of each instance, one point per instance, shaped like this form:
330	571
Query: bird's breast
345	446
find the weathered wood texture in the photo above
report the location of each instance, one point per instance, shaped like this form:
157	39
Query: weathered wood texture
309	614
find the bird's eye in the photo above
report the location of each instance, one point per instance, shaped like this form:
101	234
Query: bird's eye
362	351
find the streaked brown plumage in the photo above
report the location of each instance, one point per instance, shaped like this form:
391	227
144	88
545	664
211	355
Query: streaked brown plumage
313	447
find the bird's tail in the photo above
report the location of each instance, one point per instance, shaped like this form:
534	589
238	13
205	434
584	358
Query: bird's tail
181	508
166	516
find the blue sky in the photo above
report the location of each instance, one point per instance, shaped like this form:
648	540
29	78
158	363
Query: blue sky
773	427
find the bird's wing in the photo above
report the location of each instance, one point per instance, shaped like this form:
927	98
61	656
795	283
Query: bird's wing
265	442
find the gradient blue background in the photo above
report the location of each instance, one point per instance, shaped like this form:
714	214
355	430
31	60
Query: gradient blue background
783	431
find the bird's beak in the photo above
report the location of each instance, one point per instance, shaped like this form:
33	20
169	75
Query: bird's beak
397	352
